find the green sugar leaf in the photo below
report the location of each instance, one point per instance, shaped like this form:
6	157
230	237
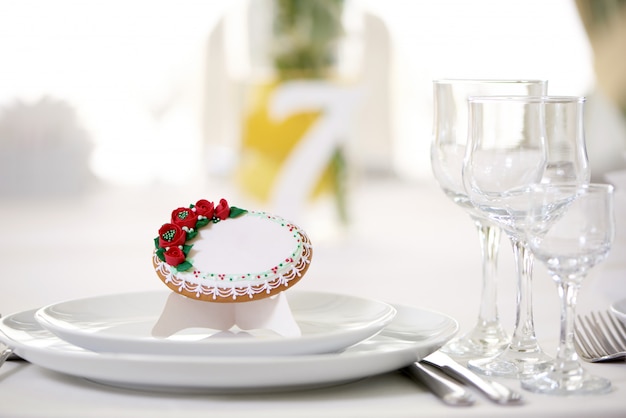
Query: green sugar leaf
202	222
184	266
161	254
236	212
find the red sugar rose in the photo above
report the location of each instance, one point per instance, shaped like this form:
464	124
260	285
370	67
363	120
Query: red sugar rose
205	208
222	210
174	256
171	235
184	217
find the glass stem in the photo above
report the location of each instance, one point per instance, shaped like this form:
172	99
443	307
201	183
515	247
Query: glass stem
489	236
566	358
524	339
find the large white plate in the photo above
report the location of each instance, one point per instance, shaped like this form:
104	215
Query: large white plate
123	323
413	334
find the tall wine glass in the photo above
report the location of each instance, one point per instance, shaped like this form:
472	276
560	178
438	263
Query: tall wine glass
570	236
449	139
515	143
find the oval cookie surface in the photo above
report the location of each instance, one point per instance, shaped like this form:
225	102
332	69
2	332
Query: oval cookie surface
250	257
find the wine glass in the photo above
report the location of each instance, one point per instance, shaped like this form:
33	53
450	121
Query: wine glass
515	143
570	235
449	139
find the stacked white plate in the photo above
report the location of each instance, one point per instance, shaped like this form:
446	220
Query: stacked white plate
108	339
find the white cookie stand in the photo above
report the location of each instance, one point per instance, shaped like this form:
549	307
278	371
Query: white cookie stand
180	312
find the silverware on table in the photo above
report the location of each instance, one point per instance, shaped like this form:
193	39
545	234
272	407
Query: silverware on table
5	354
600	337
447	390
494	391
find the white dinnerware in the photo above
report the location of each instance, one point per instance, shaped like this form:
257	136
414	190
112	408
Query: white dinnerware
124	323
413	334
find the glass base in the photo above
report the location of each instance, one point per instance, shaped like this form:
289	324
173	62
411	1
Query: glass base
555	383
513	364
479	343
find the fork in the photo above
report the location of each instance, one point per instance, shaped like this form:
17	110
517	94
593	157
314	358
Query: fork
600	337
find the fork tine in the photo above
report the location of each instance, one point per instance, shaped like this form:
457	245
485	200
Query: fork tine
593	339
600	337
619	330
608	332
604	335
580	343
581	336
620	324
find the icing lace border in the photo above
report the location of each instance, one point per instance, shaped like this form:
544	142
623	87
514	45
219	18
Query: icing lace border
227	289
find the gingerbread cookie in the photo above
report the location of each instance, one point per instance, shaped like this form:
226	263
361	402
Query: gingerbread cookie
219	253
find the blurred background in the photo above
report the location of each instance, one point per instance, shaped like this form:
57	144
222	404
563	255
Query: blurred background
132	75
112	113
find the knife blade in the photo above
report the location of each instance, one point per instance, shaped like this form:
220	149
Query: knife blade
494	391
447	390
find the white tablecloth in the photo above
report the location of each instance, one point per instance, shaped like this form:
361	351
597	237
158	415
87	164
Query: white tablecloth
407	244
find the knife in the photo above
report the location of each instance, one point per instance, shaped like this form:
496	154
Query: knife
450	392
494	391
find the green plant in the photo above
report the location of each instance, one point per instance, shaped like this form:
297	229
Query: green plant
306	33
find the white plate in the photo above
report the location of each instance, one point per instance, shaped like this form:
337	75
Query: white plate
619	309
123	323
413	334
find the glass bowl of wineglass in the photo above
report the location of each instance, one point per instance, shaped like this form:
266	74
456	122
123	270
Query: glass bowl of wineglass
487	337
570	230
514	143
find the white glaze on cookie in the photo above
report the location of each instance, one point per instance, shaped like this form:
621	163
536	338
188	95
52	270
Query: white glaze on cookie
255	255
